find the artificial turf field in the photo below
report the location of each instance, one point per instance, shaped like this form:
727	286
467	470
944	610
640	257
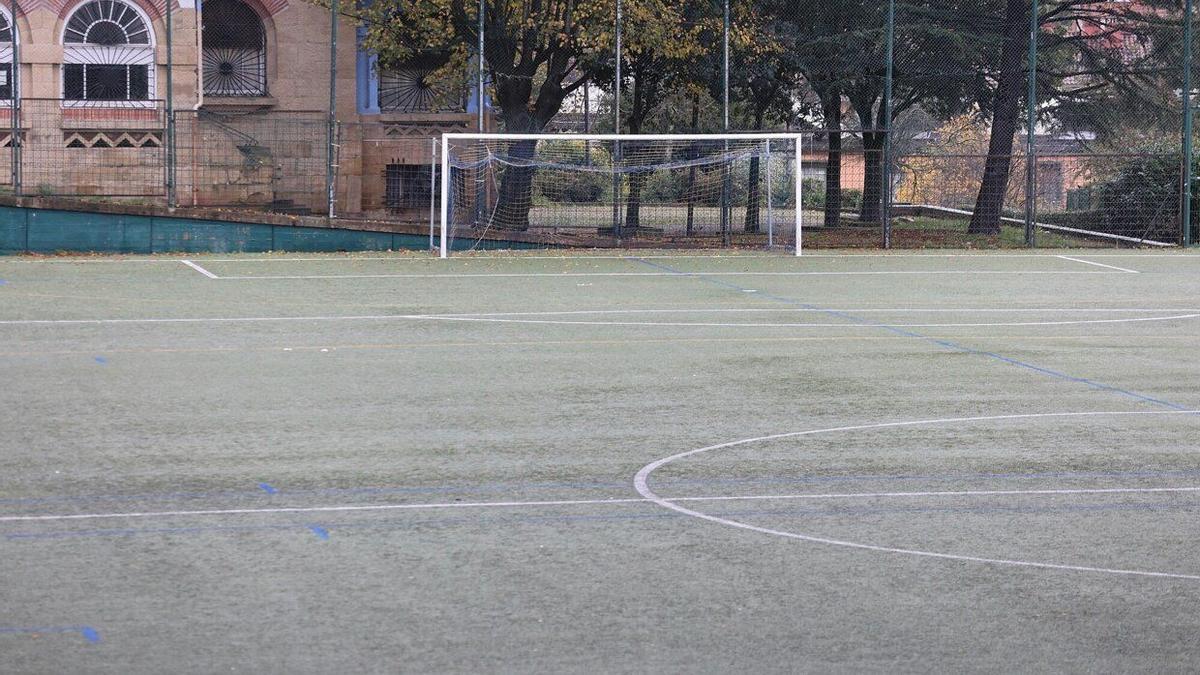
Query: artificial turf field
525	463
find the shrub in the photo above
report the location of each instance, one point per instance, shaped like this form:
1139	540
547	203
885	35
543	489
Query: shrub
582	187
1142	198
814	196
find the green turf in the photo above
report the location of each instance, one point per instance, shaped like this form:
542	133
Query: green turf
614	363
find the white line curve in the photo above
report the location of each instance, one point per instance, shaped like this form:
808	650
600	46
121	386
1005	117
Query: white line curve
641	484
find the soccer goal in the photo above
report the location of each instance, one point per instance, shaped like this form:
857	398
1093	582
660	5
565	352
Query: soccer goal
741	190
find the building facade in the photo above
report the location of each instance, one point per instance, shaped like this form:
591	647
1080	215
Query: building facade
248	82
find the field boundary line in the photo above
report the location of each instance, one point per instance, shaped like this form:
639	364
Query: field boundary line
466	318
1089	262
595	502
748	256
568	275
554	343
199	269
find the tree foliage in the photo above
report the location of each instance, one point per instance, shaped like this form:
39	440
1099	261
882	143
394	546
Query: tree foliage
819	63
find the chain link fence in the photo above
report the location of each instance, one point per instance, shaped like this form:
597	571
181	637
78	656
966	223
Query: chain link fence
925	123
66	149
255	161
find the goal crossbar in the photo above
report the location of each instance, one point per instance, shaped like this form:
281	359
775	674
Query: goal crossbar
447	138
765	136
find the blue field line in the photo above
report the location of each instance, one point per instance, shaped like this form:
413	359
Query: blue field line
90	634
101	360
267	488
815	511
133	531
485	488
946	344
133	497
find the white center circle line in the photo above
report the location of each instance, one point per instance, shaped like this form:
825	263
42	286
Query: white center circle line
641	484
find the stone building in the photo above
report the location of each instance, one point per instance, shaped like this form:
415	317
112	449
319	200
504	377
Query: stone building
249	83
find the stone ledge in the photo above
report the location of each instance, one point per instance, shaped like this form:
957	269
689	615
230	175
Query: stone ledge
239	102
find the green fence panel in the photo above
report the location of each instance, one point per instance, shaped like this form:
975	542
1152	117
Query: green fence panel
210	236
289	238
12	229
51	230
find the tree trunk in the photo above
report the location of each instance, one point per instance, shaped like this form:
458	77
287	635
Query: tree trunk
753	196
989	205
636	181
872	199
691	186
515	198
633	209
754	190
831	107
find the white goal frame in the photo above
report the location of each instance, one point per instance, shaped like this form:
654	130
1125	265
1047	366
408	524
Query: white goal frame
797	138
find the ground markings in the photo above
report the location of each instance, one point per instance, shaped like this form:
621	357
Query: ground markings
641	483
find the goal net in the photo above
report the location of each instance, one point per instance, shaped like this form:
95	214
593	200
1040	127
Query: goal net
605	190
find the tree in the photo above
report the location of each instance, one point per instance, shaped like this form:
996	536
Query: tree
989	204
656	63
840	47
764	72
1093	59
537	52
826	53
939	49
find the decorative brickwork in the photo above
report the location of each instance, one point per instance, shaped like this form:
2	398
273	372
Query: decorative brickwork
112	139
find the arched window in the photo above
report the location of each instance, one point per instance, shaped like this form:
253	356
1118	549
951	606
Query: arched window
108	55
7	36
413	86
234	51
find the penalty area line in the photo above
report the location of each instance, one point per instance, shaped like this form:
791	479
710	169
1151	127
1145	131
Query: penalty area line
199	269
1089	262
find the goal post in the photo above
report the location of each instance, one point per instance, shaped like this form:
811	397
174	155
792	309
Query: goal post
604	190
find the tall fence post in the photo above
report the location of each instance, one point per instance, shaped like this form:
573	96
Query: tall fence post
1031	129
170	103
885	194
1185	208
616	179
329	138
726	175
798	188
480	122
433	191
14	110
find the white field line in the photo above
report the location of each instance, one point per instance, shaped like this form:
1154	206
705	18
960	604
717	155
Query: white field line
592	502
1089	262
199	269
1180	255
492	319
641	483
742	256
817	310
680	274
711	324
